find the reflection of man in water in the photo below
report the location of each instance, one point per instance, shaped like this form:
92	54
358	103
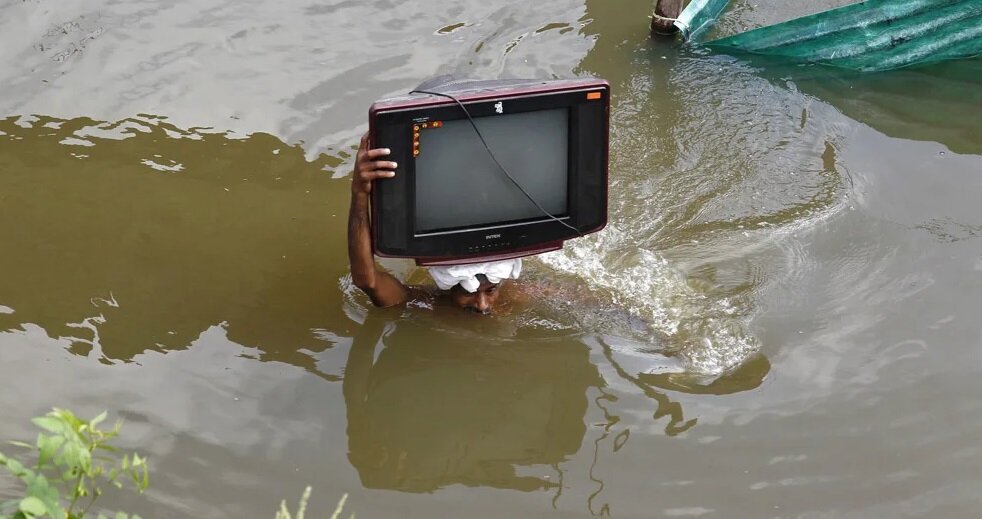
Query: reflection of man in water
471	287
429	411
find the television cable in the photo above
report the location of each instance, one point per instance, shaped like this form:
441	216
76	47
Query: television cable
495	159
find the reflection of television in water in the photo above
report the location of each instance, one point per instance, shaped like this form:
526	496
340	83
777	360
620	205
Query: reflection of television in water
452	200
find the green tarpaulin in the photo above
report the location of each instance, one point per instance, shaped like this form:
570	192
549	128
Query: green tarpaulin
867	36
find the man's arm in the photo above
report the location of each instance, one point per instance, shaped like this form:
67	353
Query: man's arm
383	288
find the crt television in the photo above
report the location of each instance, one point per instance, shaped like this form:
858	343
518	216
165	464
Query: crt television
490	170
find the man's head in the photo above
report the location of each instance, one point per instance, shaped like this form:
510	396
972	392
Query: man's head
474	286
480	301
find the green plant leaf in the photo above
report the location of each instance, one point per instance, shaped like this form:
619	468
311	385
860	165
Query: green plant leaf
145	482
40	488
337	511
18	469
50	424
32	506
21	444
47	447
68	418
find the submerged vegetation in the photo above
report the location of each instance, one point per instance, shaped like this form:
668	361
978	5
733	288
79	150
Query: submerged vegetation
284	512
75	461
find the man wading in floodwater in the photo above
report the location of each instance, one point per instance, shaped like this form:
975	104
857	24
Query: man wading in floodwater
471	287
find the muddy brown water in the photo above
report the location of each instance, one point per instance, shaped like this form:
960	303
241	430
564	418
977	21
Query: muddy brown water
781	320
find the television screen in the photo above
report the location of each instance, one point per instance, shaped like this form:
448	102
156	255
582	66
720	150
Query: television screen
474	155
459	186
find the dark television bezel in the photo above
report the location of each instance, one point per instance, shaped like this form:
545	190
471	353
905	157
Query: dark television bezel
395	198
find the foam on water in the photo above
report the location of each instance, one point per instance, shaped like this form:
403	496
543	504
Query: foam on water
708	334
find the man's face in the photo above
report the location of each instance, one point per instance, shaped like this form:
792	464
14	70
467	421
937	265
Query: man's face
479	302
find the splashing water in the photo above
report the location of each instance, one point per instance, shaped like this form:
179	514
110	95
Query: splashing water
708	334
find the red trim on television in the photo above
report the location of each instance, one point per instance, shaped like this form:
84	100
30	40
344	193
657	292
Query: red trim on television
483	95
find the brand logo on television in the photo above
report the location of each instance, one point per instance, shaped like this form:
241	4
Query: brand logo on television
492	236
499	107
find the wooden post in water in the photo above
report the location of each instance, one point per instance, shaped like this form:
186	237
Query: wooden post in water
666	11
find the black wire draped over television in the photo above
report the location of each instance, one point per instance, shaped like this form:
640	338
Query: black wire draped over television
433	86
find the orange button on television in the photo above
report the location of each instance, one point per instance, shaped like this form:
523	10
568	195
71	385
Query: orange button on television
593	95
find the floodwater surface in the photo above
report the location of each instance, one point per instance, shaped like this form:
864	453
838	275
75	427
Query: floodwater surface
780	320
